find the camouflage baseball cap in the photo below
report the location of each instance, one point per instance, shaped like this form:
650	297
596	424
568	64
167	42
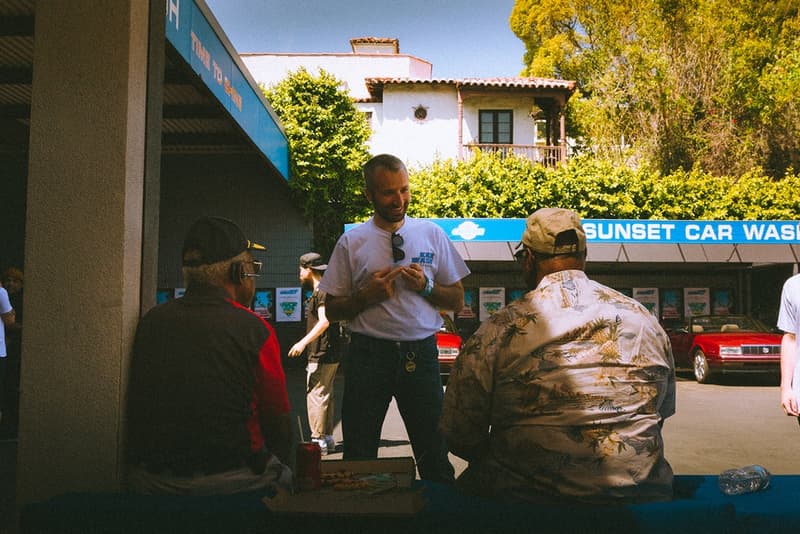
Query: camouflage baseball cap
554	231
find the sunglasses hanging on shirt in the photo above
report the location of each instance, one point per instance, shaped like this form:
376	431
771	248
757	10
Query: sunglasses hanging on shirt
397	252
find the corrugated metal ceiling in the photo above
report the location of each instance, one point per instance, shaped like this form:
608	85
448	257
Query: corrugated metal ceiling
193	121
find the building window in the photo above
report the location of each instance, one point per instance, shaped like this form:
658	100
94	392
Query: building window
540	132
496	126
420	113
368	116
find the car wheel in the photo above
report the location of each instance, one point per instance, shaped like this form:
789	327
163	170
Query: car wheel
701	371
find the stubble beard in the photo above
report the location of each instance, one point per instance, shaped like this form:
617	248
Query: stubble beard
389	217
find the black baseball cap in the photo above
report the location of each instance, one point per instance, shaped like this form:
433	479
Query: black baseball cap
213	239
312	260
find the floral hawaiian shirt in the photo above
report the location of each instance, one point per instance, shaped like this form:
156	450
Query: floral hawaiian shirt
561	395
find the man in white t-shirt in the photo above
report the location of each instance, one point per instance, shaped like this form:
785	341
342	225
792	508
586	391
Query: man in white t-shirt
7	317
389	277
789	322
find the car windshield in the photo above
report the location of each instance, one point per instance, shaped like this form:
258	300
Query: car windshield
724	323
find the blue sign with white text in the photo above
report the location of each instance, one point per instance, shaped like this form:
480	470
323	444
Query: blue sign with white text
189	31
692	232
634	231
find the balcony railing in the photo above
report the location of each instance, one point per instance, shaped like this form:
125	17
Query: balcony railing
548	156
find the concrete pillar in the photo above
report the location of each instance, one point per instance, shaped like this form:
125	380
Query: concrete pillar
83	245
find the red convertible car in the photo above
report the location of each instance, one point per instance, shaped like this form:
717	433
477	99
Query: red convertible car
449	344
718	344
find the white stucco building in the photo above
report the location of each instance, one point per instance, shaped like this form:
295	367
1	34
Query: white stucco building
421	118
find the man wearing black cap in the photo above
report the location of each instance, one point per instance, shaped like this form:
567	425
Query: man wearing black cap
322	342
208	410
561	395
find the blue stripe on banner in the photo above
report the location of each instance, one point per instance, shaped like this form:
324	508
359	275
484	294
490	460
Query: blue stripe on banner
634	231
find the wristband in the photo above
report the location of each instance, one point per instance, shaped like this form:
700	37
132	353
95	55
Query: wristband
428	289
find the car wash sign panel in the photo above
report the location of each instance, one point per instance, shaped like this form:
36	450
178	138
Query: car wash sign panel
692	232
636	231
188	29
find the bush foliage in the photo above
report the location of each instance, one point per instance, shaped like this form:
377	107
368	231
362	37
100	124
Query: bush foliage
489	185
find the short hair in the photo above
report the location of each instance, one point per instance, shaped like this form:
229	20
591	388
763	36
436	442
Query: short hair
13	272
384	161
212	274
541	256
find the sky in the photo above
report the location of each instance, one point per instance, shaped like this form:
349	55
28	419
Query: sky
461	39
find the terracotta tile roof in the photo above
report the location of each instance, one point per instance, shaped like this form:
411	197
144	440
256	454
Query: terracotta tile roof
375	85
533	83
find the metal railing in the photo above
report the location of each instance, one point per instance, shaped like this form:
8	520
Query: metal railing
548	156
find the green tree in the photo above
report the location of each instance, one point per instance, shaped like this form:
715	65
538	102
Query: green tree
674	83
762	79
327	149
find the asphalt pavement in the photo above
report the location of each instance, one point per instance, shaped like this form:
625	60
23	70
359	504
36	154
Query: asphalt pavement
735	422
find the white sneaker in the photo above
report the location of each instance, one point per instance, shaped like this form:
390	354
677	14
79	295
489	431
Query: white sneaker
323	445
331	443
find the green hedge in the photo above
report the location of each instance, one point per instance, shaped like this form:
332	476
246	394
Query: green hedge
489	185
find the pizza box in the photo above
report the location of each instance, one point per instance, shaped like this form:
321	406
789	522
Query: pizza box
387	490
402	468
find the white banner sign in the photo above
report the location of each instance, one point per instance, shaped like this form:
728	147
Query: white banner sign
287	303
491	300
696	301
648	296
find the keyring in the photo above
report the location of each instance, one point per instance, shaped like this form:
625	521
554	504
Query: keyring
411	365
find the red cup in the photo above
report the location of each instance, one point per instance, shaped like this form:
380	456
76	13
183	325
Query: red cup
308	466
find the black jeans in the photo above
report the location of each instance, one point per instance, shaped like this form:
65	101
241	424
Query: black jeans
377	370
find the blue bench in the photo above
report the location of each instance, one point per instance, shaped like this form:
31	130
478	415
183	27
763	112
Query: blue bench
698	506
120	513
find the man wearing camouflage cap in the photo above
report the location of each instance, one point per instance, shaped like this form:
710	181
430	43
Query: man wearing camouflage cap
561	395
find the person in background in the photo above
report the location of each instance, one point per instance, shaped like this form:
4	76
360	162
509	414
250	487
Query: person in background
12	281
389	277
322	342
8	319
561	395
208	409
788	321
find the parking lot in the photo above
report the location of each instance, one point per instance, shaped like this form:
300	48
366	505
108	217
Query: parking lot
736	421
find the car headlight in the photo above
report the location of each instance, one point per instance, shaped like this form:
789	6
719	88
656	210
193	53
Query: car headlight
730	351
448	351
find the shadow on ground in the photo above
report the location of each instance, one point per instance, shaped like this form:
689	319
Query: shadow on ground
733	379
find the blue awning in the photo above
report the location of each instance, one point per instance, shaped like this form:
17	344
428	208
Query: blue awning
196	35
